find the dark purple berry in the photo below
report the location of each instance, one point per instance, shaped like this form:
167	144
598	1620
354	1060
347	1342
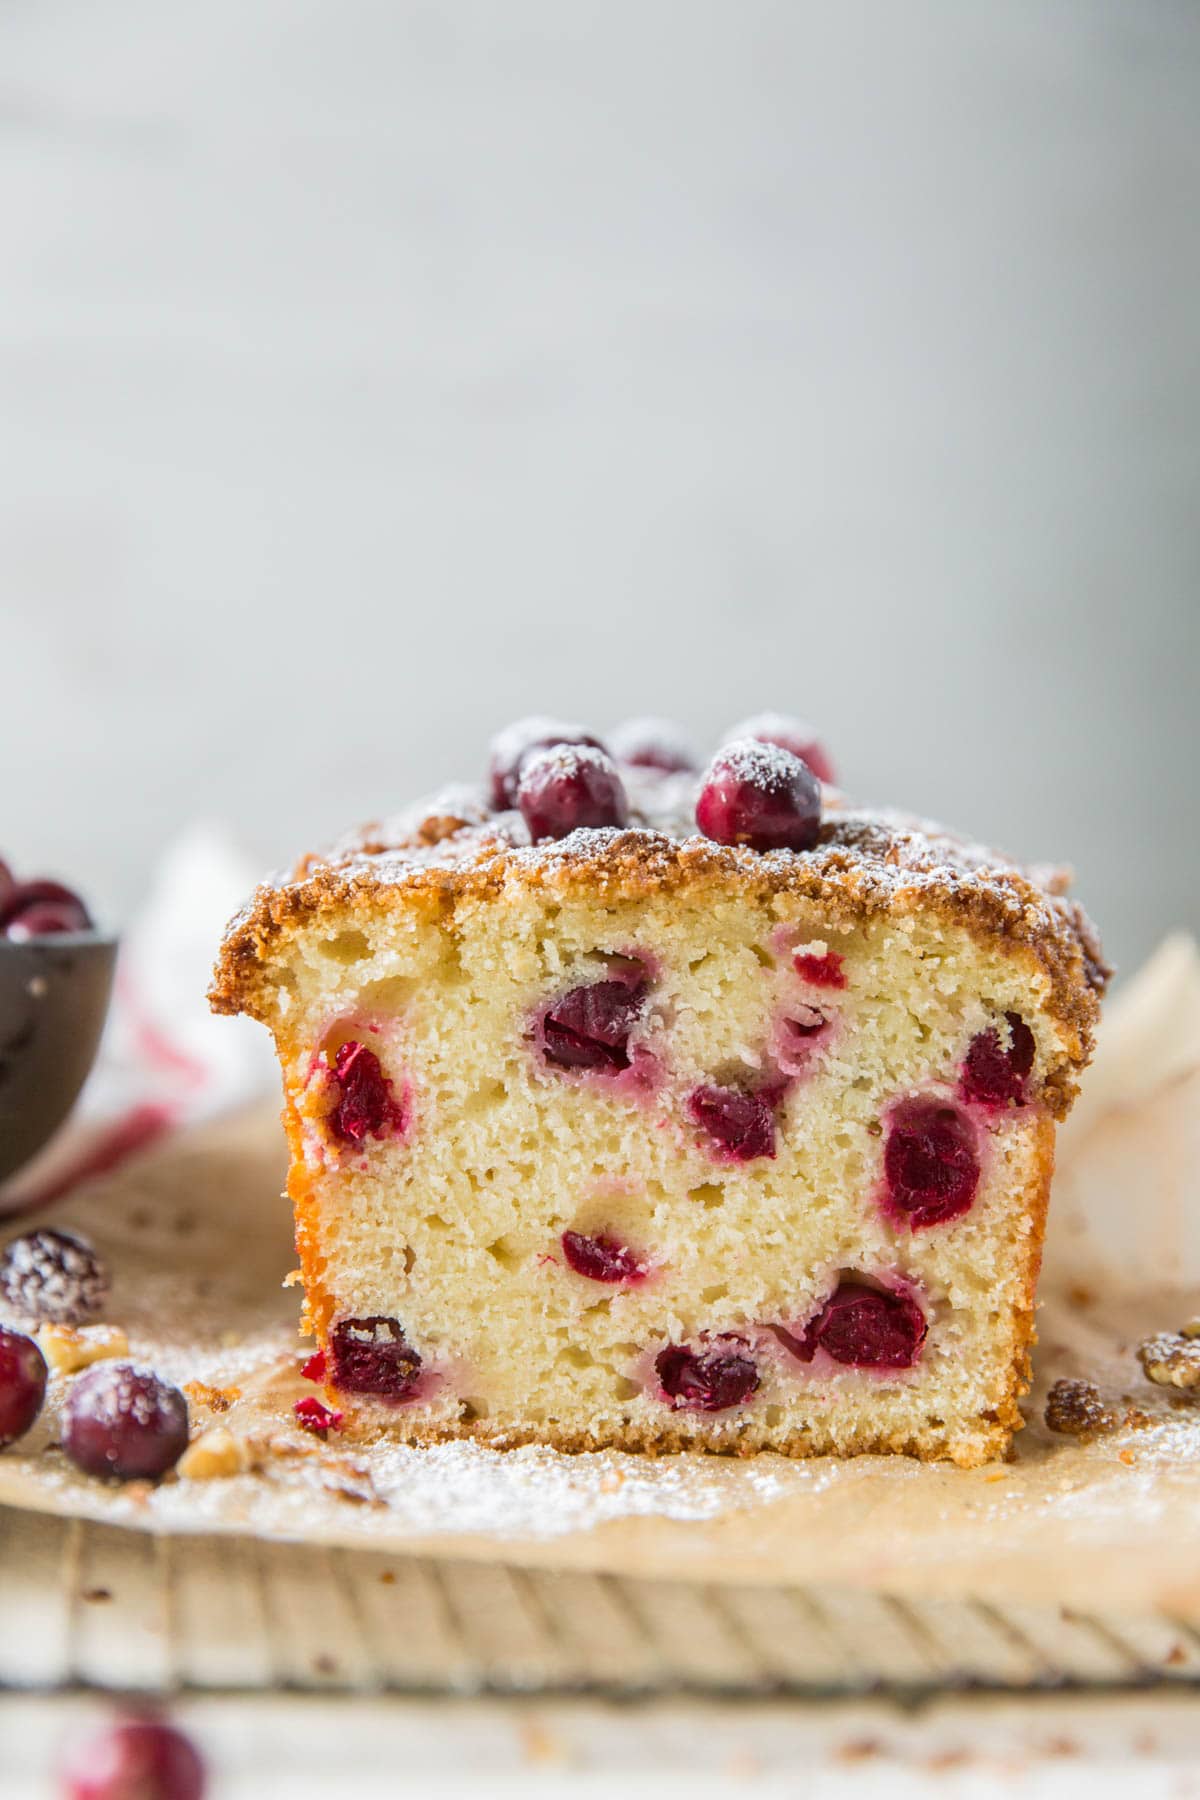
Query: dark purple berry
994	1074
653	744
708	1380
589	1027
762	796
124	1422
863	1327
740	1126
41	909
139	1759
788	734
22	1385
930	1163
53	1276
373	1356
602	1258
570	788
366	1106
511	746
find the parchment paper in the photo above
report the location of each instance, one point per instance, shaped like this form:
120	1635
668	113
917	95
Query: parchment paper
200	1242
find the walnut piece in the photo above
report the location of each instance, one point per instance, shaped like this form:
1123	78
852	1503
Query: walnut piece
214	1455
1172	1359
1076	1409
67	1350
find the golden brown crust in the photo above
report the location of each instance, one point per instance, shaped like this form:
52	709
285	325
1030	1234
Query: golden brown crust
862	867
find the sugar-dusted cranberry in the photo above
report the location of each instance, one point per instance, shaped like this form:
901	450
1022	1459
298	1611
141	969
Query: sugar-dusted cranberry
759	795
22	1385
314	1368
53	1276
589	1027
138	1759
789	734
863	1327
930	1162
739	1125
124	1422
994	1073
570	788
316	1417
511	746
720	1375
42	909
366	1105
821	971
602	1258
373	1356
653	744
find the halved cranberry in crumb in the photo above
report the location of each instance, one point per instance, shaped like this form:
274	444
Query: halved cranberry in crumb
930	1162
139	1759
762	796
708	1380
795	1036
570	788
316	1417
124	1422
22	1385
739	1125
511	746
373	1356
822	971
366	1106
994	1073
653	744
589	1027
863	1327
789	734
601	1258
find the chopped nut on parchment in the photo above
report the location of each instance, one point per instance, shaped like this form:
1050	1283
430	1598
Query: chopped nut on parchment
67	1348
217	1399
1075	1408
1172	1359
215	1454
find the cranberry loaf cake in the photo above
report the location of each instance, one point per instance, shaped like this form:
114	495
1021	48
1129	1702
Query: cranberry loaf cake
640	1107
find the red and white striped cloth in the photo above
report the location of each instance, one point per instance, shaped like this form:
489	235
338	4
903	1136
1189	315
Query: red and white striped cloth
165	1061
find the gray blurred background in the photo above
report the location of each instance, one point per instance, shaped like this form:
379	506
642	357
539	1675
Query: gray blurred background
371	373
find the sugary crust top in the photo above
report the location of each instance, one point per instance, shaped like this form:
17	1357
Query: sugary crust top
863	865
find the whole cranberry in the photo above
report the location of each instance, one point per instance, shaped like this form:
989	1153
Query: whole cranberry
602	1258
138	1759
760	795
789	734
373	1356
590	1025
707	1380
53	1276
511	746
930	1163
42	909
8	883
22	1385
569	788
124	1422
653	744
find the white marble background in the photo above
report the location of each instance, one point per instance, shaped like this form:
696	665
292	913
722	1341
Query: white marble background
373	371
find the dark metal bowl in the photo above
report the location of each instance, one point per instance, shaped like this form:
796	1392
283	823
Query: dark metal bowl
54	994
